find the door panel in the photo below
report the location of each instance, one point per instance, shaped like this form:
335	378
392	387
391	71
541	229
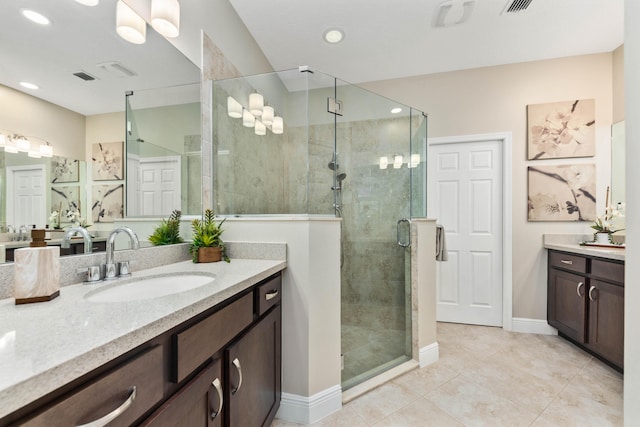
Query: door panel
467	201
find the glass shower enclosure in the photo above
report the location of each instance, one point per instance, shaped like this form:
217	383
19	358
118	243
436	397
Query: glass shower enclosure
321	146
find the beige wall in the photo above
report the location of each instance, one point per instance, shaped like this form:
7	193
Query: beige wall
494	99
632	269
618	84
30	116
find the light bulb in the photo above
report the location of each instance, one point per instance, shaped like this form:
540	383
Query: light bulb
165	17
234	108
248	120
267	115
384	162
256	103
278	125
397	161
260	129
129	25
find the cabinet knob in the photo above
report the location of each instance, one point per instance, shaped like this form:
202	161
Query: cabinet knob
113	414
216	384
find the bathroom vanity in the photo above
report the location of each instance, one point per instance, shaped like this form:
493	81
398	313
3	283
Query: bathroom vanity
207	356
585	298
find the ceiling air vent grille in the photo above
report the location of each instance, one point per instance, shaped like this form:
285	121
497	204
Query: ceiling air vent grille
515	6
84	76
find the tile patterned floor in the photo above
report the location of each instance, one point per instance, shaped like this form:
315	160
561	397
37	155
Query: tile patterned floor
490	377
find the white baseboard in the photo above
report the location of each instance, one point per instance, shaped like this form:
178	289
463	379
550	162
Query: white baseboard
532	326
429	354
308	410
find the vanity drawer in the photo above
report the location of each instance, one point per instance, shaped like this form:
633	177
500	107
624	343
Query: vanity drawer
193	346
610	271
568	262
268	294
110	392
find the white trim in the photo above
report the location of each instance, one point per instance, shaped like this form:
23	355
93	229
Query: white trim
429	354
507	216
309	410
533	326
11	171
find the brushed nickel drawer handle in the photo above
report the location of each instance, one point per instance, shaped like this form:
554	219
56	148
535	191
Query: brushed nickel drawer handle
236	363
216	384
580	284
591	289
271	295
113	414
566	261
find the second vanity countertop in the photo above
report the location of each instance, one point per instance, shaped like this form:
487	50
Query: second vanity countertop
569	243
46	345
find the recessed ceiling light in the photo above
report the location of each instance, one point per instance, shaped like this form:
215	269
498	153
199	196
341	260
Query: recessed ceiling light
396	110
36	17
333	36
29	85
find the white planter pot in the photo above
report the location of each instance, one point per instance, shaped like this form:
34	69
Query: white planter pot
603	238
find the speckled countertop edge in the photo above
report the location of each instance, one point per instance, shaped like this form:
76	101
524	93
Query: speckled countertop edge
570	243
44	346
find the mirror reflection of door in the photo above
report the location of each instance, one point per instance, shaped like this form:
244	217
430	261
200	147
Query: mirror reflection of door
159	185
26	198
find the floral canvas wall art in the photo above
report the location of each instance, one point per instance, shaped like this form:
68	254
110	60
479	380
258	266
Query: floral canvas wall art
64	169
107	161
562	192
107	202
65	198
561	129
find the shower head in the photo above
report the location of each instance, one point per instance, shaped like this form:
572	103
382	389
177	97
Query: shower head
333	165
341	177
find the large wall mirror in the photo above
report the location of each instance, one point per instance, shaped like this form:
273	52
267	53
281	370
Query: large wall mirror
618	187
85	69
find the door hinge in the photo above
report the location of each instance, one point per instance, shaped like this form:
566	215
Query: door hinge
334	106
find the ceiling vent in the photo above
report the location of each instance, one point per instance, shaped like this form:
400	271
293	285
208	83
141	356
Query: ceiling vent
452	12
515	6
116	69
84	76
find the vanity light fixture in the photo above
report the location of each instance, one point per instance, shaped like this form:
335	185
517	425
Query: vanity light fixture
165	17
35	154
10	146
256	104
415	161
88	2
129	25
397	161
46	150
248	119
384	162
29	85
234	108
260	128
35	17
333	36
396	110
267	115
278	125
23	144
3	140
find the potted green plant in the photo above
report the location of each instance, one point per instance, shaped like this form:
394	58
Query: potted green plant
207	246
168	232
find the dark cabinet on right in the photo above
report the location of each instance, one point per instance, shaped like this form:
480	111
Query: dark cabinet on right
585	302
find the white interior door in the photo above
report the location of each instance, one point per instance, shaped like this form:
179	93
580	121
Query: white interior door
466	198
133	184
26	197
159	185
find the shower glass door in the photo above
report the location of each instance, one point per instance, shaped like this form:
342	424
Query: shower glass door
372	188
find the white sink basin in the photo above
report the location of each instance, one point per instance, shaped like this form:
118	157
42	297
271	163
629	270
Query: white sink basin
149	287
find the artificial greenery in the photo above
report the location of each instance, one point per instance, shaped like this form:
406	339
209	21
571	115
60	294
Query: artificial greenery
168	232
206	233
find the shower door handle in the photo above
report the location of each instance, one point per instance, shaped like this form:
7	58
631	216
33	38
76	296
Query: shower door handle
406	243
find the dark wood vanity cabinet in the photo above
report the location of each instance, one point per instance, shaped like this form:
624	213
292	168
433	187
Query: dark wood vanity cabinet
585	303
221	368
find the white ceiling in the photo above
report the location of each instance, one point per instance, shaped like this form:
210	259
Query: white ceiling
387	39
384	39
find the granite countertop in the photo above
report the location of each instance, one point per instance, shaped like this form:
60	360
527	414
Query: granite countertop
11	244
571	243
46	345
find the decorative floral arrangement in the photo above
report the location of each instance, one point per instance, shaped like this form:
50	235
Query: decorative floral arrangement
73	216
604	223
54	220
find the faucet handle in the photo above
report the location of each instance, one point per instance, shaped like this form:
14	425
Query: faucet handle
93	273
124	269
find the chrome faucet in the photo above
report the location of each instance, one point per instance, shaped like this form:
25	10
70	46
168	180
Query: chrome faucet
110	267
86	237
23	233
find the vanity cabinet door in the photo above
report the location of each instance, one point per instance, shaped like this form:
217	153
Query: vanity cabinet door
253	374
566	303
199	403
606	321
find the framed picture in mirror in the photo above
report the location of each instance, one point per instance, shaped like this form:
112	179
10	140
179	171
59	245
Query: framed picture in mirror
107	162
107	202
64	169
